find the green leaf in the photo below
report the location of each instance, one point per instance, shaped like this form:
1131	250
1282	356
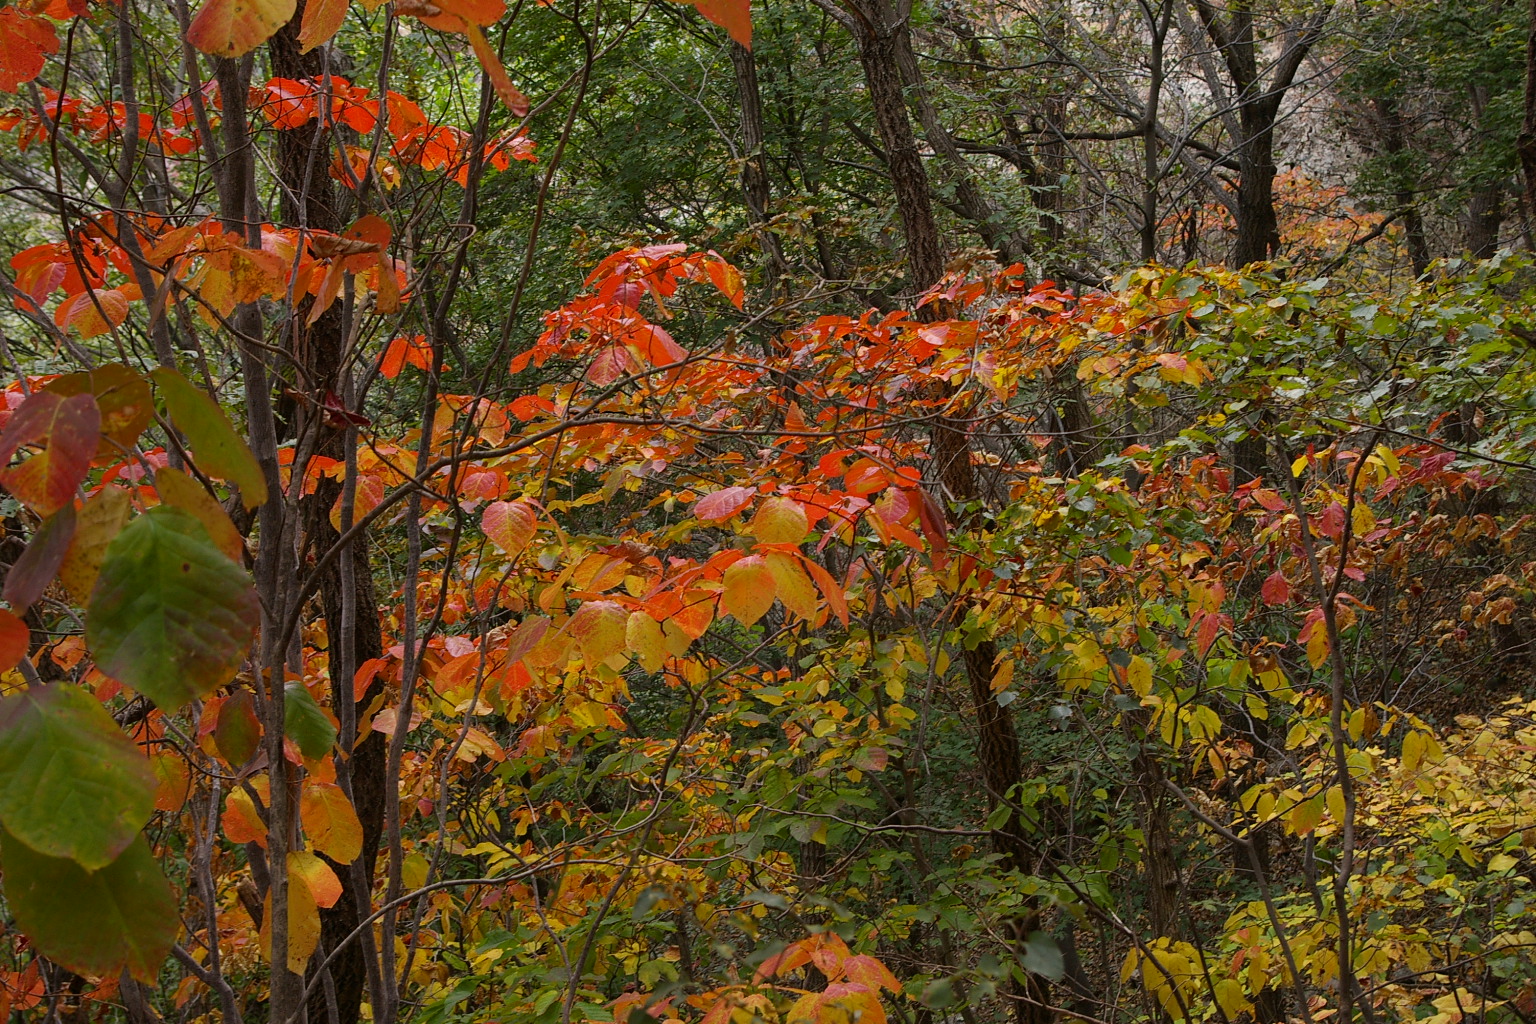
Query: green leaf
71	784
1042	956
305	723
93	922
216	448
170	616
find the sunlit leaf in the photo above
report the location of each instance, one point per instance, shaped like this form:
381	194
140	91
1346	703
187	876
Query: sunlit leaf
231	28
510	525
330	822
749	589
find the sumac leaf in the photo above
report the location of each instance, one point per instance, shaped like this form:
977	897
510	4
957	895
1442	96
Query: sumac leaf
67	430
216	447
93	922
171	616
71	784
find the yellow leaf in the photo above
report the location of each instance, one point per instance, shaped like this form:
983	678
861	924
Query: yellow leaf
645	640
779	521
1230	997
749	589
1299	466
316	874
792	585
330	822
303	924
1335	800
599	629
1139	675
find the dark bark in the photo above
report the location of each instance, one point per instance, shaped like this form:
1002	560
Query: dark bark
876	27
1526	141
1394	143
308	198
1485	217
1257	104
754	168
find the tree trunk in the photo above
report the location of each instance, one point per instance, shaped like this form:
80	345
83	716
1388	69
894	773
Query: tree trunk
754	168
875	27
1526	142
1258	229
1485	216
309	199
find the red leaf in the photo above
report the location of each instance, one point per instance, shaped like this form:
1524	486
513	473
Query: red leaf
39	564
15	640
1276	590
723	504
25	43
67	429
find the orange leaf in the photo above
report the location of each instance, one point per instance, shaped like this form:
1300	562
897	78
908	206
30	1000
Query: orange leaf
322	20
510	525
174	782
829	589
599	629
315	874
230	28
508	93
241	822
735	16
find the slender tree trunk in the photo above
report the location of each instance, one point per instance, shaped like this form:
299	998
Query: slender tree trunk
1526	142
309	199
754	168
875	26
